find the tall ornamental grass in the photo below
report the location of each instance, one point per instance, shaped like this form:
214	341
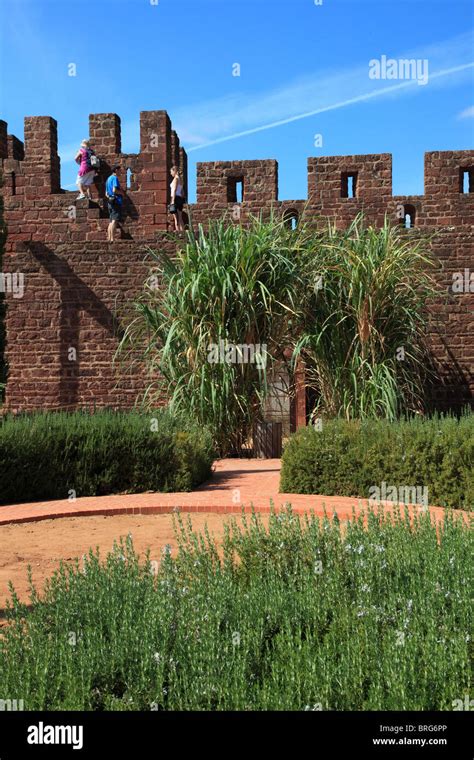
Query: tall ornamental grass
352	304
364	319
303	616
229	286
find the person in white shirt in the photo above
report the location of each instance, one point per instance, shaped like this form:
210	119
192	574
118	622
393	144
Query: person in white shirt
177	199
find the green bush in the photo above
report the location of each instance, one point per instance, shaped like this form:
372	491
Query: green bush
301	616
49	455
350	458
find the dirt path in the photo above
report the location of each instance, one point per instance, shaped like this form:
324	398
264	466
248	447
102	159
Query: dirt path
43	533
43	544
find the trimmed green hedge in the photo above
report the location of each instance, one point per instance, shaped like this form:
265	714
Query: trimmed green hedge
51	455
351	458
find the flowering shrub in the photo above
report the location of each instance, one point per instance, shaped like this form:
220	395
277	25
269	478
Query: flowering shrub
303	615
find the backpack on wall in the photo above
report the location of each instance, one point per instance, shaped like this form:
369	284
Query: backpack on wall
92	161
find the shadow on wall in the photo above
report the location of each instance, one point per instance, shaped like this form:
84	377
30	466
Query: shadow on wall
449	381
75	296
449	388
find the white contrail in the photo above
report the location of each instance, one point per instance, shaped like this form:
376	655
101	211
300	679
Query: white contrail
358	99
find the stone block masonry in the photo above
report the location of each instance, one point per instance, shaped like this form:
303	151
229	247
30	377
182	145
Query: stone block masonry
63	334
76	285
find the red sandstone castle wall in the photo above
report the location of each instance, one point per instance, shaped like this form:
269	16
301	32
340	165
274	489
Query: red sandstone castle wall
36	208
76	284
63	333
452	330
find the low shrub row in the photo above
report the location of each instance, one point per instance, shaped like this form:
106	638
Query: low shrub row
300	616
429	459
57	455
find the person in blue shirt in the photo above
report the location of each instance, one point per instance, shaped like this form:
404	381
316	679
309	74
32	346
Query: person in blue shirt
114	195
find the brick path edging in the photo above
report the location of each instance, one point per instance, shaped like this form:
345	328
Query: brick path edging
255	482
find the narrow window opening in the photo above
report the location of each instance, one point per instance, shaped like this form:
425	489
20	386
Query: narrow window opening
235	189
466	180
129	178
409	214
290	218
348	184
239	191
13	183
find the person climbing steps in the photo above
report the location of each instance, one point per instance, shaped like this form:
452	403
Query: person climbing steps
114	195
88	165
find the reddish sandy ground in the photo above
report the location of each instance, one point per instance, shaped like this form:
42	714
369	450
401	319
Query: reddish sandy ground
43	544
43	533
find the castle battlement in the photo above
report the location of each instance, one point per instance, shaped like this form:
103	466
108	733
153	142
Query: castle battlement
75	282
37	208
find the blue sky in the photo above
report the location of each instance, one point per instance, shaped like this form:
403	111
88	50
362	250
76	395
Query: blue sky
296	58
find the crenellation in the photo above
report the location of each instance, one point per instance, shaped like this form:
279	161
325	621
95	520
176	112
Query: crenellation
75	281
443	170
183	169
3	139
41	165
16	149
105	133
174	148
